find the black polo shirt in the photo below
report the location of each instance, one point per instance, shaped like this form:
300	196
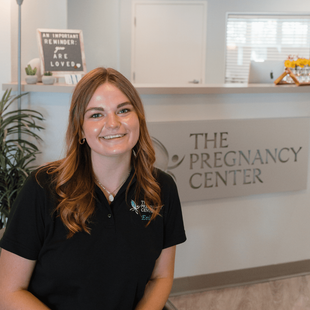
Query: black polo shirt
107	269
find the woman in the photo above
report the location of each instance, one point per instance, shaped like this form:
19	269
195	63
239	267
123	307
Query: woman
97	229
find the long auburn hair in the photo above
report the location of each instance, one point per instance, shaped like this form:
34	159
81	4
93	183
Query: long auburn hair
73	177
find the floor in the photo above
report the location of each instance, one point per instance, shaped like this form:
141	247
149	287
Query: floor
286	294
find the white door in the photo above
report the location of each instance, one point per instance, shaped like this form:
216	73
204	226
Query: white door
168	44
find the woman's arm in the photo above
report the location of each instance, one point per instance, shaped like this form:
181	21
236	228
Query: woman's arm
15	276
158	288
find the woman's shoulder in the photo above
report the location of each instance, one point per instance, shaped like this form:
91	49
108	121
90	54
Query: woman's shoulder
164	178
45	174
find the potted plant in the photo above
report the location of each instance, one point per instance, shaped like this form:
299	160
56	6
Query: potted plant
31	77
17	150
47	78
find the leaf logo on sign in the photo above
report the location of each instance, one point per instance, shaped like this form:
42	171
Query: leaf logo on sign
163	158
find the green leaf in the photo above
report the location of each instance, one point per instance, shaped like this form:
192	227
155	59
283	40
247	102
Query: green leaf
16	154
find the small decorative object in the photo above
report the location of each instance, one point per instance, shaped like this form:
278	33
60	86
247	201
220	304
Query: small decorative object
72	79
36	63
296	72
31	77
47	78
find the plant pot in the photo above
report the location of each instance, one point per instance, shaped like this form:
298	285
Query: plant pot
48	80
31	79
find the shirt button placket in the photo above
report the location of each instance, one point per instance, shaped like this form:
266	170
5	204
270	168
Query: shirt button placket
110	215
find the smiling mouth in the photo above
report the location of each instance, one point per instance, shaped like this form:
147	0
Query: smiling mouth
113	137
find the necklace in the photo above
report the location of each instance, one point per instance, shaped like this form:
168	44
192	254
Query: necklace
111	197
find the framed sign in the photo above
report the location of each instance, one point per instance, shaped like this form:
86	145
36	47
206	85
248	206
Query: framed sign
61	51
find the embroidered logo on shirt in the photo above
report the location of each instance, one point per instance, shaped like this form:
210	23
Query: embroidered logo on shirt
134	207
143	208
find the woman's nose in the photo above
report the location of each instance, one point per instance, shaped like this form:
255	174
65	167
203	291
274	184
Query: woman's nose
112	121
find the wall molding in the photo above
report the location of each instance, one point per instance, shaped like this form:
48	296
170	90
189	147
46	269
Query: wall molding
220	280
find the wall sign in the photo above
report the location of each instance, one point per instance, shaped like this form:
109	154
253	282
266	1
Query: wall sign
227	158
61	51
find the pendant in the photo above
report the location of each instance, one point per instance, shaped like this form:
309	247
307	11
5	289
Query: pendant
111	198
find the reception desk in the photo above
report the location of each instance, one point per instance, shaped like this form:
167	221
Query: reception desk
232	234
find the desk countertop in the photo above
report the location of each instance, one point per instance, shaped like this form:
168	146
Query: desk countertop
156	89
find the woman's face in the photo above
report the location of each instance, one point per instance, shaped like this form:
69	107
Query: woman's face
111	125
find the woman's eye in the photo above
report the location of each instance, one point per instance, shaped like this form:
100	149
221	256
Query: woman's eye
95	115
125	110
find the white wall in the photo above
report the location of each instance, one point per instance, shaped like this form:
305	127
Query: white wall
5	39
99	21
35	14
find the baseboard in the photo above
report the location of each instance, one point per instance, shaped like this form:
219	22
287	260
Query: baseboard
195	284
